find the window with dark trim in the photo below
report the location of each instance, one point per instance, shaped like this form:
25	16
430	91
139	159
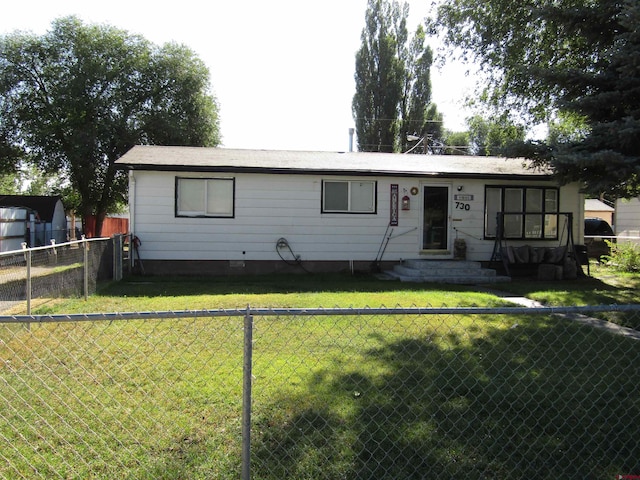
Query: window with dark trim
205	197
349	196
528	213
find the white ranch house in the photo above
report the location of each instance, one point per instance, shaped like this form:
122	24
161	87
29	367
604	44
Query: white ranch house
221	211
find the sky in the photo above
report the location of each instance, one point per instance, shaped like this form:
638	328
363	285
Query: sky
282	71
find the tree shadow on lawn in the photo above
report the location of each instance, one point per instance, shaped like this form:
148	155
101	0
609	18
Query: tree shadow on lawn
263	284
301	283
543	399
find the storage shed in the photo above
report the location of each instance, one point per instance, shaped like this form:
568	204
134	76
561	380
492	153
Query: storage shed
33	219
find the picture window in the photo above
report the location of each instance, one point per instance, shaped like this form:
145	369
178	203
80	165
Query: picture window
528	213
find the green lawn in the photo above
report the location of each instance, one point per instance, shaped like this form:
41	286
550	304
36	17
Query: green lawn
285	291
605	287
384	397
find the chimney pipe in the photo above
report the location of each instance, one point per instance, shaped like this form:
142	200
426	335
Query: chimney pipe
351	132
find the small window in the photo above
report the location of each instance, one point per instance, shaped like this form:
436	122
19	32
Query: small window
348	196
205	197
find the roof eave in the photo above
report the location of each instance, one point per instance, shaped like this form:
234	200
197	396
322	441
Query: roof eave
332	172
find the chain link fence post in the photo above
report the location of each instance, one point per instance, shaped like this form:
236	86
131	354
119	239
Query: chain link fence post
28	280
246	395
117	245
85	247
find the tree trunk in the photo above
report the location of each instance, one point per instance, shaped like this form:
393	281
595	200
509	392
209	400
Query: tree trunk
99	222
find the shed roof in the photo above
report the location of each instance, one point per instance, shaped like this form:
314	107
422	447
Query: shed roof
595	205
330	163
43	204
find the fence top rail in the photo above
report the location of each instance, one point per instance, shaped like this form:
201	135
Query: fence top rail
281	312
613	237
54	245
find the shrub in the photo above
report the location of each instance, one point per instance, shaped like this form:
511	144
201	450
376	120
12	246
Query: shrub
625	256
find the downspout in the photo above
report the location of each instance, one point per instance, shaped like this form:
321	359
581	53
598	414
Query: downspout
132	201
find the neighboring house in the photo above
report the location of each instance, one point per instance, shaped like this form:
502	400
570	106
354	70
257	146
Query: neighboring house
627	222
34	220
594	208
216	210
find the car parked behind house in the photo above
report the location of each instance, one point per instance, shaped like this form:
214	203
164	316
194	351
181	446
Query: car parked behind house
596	234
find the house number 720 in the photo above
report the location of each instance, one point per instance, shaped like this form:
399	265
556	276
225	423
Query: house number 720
463	206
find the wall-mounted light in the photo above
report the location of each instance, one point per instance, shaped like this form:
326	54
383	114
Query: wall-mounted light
460	188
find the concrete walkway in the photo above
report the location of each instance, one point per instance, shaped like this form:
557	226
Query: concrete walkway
583	319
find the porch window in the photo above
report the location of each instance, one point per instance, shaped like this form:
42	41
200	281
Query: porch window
348	196
205	197
529	213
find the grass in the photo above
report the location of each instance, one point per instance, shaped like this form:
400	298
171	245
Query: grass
605	286
334	397
285	291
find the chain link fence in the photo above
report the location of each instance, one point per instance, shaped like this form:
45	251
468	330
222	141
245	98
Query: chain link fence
321	394
55	271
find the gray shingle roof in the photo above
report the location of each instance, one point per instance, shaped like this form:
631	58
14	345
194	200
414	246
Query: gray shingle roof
335	163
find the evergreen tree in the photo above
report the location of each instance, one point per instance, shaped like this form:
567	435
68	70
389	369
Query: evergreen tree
608	99
550	58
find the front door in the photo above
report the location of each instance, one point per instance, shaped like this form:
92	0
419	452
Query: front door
435	218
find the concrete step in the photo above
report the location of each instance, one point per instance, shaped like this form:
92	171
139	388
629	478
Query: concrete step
466	280
438	264
445	271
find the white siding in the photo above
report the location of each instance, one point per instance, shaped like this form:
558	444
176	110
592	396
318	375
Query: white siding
12	228
271	206
627	218
58	226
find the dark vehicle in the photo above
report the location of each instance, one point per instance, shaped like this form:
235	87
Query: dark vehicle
596	232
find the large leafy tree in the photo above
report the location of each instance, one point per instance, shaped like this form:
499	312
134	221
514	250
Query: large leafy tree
550	58
9	184
419	117
379	76
29	180
77	98
393	86
493	136
456	143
